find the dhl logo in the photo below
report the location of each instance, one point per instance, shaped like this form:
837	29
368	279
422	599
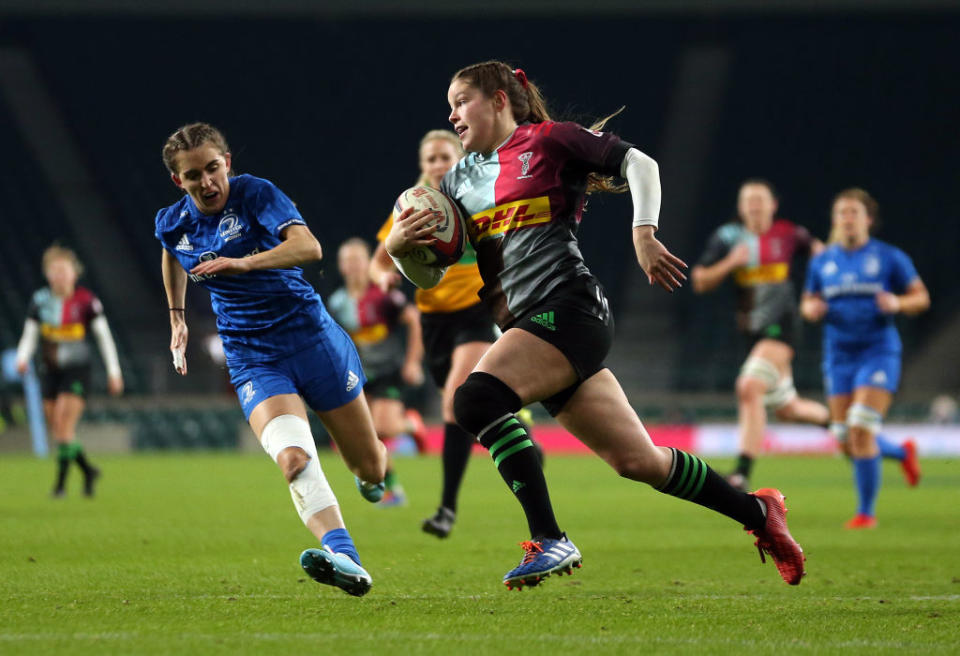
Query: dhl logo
762	274
509	217
371	334
69	332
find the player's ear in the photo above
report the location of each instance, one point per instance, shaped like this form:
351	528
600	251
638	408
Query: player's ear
499	99
227	159
176	180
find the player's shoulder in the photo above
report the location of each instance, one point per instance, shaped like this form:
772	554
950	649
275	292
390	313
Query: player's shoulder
247	187
730	232
826	255
41	295
168	218
83	294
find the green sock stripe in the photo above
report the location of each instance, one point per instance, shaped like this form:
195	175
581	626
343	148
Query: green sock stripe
390	478
512	421
63	451
682	473
506	438
697	471
500	457
700	481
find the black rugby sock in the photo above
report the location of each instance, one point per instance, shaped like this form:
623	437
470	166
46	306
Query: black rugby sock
692	479
516	458
744	465
63	466
457	444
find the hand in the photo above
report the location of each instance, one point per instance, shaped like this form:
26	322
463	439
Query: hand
739	256
115	385
22	366
412	373
813	308
410	230
178	345
660	265
888	303
389	280
228	266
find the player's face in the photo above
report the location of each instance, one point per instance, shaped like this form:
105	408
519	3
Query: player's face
851	220
61	275
756	206
353	263
473	116
437	156
204	174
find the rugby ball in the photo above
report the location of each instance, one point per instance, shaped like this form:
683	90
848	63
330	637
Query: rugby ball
451	231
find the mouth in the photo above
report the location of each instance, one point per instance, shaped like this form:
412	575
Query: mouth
210	196
460	129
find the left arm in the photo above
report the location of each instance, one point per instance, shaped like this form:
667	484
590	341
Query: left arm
412	372
299	246
914	300
101	331
660	265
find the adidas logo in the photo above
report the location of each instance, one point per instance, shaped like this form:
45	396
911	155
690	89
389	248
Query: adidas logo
879	377
352	380
517	486
184	244
544	319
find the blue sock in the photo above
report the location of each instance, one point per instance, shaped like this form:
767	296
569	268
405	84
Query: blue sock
890	450
866	476
339	541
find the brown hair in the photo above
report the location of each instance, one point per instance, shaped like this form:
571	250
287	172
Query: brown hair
763	182
356	241
57	252
869	203
189	137
439	135
527	104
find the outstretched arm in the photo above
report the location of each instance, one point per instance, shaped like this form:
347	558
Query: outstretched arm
28	344
175	285
660	265
108	349
383	273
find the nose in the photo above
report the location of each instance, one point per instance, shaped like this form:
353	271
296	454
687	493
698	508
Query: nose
205	181
454	117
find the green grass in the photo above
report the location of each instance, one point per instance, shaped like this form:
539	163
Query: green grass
198	554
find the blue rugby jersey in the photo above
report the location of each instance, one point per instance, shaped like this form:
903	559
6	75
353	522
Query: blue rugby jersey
849	282
261	315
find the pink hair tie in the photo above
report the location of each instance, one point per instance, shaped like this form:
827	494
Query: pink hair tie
521	77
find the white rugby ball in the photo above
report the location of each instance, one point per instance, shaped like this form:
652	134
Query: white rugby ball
451	232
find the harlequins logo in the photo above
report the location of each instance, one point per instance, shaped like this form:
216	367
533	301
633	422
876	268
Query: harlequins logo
544	319
524	165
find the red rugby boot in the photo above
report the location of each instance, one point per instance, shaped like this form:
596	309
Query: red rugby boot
861	521
910	464
775	538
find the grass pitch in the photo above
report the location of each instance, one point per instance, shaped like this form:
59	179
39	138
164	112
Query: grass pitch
198	554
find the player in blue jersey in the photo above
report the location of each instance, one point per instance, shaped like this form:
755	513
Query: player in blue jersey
856	287
243	240
522	188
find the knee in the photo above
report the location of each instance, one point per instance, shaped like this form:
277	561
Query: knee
863	423
482	400
292	461
749	390
642	466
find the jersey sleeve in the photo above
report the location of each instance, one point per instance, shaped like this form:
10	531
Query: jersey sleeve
715	251
274	210
803	239
33	309
600	152
95	309
385	229
811	283
902	271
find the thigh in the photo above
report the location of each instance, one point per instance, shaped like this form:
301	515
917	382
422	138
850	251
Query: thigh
274	406
873	397
600	416
838	405
328	375
880	370
530	366
257	384
351	428
384	410
778	353
839	372
462	361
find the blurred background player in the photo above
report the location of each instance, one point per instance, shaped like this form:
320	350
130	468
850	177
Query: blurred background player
557	327
457	328
243	240
757	251
60	315
373	318
856	287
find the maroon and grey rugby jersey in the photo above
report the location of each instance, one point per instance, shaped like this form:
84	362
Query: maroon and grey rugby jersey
523	203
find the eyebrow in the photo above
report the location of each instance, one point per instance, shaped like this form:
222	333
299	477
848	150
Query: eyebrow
204	166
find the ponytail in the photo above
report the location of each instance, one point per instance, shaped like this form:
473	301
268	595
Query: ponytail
528	105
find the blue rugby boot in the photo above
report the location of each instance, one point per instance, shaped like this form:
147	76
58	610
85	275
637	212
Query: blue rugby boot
336	569
541	559
372	492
